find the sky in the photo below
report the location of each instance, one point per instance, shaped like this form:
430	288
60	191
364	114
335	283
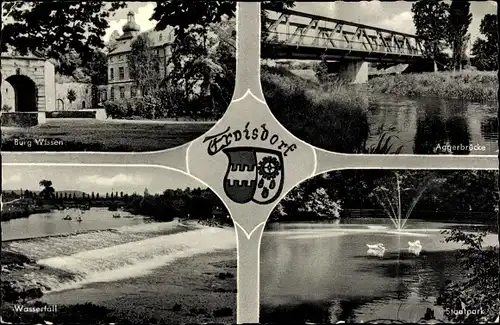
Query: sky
143	12
97	179
395	15
390	15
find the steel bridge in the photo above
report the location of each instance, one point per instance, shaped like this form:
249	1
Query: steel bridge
297	35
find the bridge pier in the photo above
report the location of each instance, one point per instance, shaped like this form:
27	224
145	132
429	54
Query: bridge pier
354	72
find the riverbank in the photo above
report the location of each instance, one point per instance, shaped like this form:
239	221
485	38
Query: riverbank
475	86
185	282
16	212
377	117
330	116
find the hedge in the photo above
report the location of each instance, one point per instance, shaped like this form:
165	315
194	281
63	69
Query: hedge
71	114
20	119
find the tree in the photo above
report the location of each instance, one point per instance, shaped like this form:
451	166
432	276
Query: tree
431	21
399	194
321	69
144	69
201	75
55	28
95	65
48	191
67	63
183	14
478	289
485	51
113	41
193	62
459	19
71	96
320	203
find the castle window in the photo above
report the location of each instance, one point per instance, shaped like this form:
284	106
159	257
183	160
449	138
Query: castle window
133	91
111	74
122	92
112	93
121	72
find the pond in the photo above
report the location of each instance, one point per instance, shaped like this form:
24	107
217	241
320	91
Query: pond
322	272
428	125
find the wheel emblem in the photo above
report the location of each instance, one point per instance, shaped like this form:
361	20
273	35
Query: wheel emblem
269	168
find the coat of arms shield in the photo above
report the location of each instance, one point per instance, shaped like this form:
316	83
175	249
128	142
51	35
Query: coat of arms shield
253	175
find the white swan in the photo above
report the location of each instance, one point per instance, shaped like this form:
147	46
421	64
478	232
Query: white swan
414	247
376	250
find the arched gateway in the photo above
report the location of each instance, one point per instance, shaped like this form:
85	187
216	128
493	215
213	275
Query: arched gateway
28	84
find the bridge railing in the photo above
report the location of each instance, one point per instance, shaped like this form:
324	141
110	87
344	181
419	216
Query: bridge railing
323	32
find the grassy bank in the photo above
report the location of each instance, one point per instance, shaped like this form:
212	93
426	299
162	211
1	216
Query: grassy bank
474	86
93	135
330	116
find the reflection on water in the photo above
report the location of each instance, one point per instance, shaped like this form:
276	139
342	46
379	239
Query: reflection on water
52	223
322	273
426	125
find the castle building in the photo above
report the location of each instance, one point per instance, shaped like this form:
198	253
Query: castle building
120	85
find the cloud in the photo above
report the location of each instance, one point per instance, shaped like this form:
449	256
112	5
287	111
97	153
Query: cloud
373	7
142	17
325	9
13	179
117	180
402	22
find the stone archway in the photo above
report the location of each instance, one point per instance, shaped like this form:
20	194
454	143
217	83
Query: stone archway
33	82
25	92
60	104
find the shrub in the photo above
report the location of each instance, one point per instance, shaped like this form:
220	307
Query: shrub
130	107
468	85
331	116
71	114
223	312
478	290
20	119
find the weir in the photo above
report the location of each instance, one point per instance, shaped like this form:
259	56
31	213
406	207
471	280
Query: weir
114	260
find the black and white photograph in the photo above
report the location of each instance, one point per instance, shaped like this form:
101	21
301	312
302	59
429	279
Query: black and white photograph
383	247
377	77
114	75
101	245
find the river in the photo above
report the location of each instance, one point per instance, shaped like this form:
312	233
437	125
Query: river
322	273
426	125
52	223
140	269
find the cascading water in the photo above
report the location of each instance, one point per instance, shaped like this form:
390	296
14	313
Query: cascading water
68	264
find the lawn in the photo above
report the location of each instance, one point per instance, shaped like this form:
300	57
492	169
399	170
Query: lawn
93	135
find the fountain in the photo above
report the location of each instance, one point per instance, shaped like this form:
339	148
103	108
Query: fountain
392	205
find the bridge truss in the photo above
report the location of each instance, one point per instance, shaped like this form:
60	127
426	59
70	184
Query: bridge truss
297	35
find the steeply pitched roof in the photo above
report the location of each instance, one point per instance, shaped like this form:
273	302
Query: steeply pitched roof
123	46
